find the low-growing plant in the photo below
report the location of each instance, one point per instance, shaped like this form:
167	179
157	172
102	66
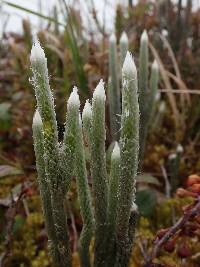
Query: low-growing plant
113	221
148	88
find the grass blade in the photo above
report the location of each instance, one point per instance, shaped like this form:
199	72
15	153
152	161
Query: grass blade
33	12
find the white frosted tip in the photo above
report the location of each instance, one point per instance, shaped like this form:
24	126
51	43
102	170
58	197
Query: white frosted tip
165	32
144	37
155	65
158	95
179	149
129	67
116	151
37	52
172	156
124	38
134	207
80	120
99	91
112	38
74	98
37	118
87	110
162	107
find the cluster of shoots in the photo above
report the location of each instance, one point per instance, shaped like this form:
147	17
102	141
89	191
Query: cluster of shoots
108	209
148	89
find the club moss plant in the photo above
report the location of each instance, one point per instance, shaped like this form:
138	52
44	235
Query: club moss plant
108	209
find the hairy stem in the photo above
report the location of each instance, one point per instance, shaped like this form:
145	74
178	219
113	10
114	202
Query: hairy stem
129	144
99	174
84	199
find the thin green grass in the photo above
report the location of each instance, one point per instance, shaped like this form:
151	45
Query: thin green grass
38	14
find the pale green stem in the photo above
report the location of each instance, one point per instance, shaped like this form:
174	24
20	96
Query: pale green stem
99	175
44	187
112	206
84	199
114	88
129	146
143	93
69	141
